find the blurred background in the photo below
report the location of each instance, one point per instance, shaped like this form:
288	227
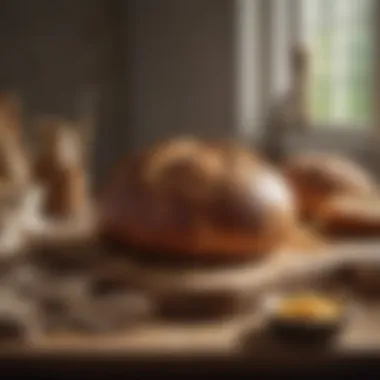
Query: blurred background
149	69
340	37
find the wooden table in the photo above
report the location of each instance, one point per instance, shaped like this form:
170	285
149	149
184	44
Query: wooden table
231	344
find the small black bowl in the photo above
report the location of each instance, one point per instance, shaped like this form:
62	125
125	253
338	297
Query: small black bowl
305	332
296	330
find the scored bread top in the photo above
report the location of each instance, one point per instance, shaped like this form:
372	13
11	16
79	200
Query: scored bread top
198	190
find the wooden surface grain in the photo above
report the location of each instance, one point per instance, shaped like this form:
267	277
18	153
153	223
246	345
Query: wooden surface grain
243	336
238	338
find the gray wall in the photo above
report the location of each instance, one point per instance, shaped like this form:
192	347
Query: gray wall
180	77
51	52
157	67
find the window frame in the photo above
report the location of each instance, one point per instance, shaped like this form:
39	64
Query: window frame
329	132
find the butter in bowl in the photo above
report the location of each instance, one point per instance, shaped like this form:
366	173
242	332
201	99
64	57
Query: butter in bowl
305	317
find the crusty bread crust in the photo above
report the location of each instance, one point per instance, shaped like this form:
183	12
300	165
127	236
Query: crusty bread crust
199	199
316	177
349	216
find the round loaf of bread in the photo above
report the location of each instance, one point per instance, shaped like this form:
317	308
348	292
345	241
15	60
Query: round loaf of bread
315	177
192	198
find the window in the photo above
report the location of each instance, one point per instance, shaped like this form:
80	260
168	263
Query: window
340	37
